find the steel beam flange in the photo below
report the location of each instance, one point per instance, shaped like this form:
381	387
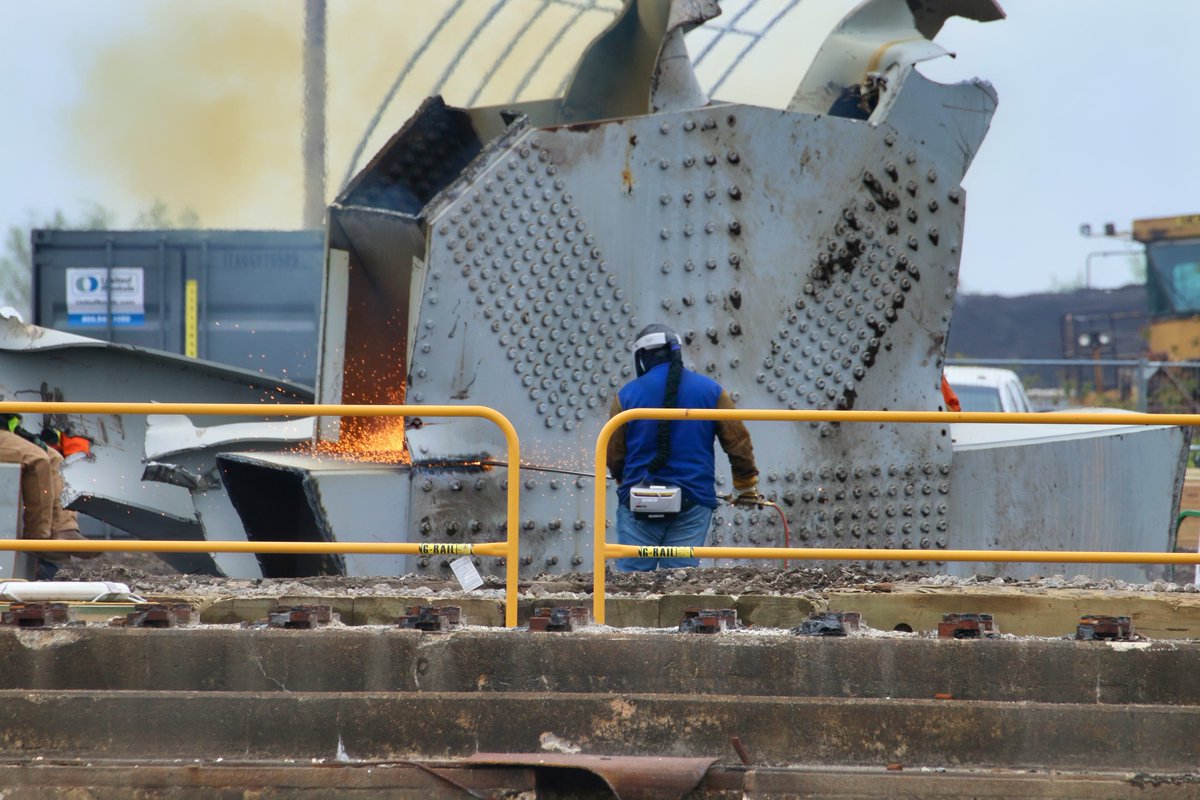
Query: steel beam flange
433	619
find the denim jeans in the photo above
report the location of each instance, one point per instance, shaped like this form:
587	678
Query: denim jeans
688	528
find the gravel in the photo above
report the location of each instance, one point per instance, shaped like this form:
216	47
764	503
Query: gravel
146	574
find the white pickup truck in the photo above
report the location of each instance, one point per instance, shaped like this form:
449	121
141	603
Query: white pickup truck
987	389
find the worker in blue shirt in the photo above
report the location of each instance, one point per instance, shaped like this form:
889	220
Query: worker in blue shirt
665	469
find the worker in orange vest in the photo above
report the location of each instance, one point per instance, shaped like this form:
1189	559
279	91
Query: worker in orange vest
65	443
41	491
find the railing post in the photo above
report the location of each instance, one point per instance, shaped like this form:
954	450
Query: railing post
510	548
603	551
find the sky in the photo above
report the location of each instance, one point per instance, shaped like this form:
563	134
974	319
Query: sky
1096	123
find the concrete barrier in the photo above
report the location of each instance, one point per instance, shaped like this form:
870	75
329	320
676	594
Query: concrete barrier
497	661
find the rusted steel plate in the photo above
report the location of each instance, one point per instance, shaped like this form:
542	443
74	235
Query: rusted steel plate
967	626
629	777
829	623
300	617
1101	626
37	615
431	618
709	620
159	615
560	618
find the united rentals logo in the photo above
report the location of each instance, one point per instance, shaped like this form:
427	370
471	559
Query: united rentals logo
98	296
86	284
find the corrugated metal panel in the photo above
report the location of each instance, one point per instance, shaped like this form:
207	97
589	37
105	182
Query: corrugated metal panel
258	293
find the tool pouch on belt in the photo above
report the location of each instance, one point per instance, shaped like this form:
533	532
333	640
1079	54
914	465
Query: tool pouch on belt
653	501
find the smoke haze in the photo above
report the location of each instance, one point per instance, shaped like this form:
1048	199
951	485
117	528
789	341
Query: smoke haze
201	108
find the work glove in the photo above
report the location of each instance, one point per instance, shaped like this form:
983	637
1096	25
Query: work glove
749	498
29	437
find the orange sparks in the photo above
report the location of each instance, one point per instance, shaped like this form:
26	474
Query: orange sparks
382	443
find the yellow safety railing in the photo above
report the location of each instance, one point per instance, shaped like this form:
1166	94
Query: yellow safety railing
602	550
508	549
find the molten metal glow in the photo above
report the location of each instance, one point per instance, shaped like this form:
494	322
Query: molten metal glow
384	443
377	440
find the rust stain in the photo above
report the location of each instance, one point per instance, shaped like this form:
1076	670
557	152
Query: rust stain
627	172
625	776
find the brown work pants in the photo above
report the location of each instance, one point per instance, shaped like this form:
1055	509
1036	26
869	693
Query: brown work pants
60	518
38	495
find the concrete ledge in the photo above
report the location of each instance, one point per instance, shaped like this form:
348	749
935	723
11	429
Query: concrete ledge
1025	611
469	660
775	731
204	780
621	612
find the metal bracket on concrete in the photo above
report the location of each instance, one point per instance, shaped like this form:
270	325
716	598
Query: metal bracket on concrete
431	618
300	617
709	620
967	626
1099	626
560	618
829	623
160	615
38	615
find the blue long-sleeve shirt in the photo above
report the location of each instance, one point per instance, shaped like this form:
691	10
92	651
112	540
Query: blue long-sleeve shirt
691	465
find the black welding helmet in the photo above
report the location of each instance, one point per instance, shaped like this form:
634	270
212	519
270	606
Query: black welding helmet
654	346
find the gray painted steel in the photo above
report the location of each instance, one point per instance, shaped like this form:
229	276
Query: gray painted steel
808	260
112	484
724	230
1059	487
808	257
259	292
13	564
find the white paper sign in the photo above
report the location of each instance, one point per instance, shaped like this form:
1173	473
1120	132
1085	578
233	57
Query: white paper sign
468	576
